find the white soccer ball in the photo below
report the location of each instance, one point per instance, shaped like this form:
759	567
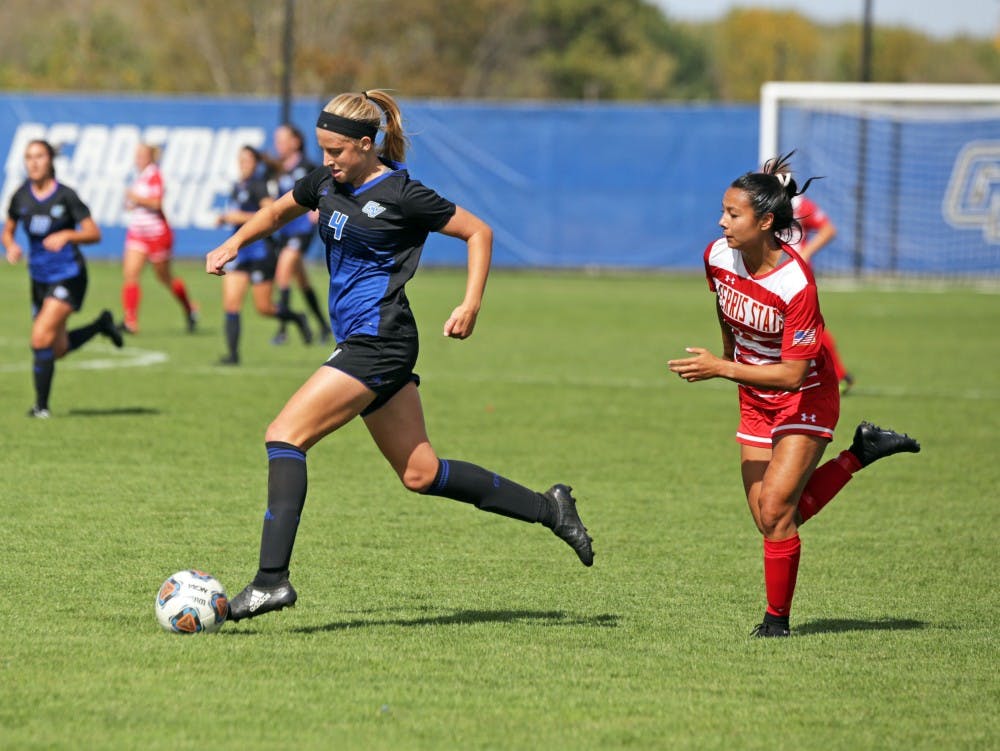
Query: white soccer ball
191	602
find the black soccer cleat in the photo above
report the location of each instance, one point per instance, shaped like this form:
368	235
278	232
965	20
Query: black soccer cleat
872	443
191	319
106	325
229	360
566	522
254	600
767	630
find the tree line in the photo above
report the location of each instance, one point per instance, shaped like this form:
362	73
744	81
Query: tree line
480	49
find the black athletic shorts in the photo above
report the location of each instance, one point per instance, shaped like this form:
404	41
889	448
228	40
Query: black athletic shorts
299	242
383	365
71	291
260	271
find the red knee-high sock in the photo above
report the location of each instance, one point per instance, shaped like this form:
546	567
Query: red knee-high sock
781	568
180	292
831	347
826	482
131	295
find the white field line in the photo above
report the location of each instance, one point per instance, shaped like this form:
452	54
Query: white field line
127	357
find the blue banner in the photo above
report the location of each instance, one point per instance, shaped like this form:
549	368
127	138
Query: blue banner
562	185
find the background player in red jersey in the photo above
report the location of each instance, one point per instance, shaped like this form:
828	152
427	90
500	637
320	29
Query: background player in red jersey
772	332
56	222
374	221
149	238
817	230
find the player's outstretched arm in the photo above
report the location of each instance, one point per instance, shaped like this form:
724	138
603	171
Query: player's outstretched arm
11	249
478	236
264	222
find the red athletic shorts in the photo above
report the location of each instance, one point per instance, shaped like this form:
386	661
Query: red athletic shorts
155	247
814	411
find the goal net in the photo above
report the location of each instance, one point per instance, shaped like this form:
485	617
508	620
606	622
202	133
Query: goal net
911	172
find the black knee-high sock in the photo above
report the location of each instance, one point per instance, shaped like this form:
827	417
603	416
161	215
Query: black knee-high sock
286	495
233	334
310	294
79	337
284	296
44	368
487	491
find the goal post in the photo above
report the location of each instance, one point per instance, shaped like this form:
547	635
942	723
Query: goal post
911	172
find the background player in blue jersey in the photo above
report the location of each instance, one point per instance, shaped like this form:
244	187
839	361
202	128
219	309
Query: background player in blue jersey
374	220
254	265
56	223
293	240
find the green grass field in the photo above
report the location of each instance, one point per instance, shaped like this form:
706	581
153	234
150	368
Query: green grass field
425	624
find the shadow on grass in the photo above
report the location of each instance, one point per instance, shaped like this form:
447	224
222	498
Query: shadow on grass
839	625
112	412
470	617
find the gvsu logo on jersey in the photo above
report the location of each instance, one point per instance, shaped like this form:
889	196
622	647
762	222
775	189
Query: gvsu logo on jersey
973	196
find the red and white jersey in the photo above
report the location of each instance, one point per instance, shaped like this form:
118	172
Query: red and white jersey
811	218
145	222
774	316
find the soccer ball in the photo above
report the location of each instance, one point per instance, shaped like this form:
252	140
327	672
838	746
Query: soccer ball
191	602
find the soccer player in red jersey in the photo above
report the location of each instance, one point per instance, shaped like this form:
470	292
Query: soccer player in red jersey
817	230
149	238
772	341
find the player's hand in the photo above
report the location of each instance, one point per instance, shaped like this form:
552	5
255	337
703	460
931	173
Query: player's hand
14	253
56	241
701	367
215	260
461	322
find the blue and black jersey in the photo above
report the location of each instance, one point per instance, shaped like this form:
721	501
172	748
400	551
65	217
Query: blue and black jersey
301	225
40	216
247	196
373	236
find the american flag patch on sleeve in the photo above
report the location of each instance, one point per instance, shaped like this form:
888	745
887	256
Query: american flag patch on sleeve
803	337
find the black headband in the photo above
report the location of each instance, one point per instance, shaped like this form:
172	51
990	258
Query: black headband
345	126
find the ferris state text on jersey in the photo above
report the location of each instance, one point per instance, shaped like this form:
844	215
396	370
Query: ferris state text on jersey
374	236
774	316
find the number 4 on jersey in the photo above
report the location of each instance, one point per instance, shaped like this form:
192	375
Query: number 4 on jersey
337	222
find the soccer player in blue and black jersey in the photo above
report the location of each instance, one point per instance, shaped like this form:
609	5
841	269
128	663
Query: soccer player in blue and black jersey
56	223
373	220
255	262
293	240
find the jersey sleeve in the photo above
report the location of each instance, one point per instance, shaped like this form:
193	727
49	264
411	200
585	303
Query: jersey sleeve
424	208
78	210
306	190
708	267
12	212
810	216
803	334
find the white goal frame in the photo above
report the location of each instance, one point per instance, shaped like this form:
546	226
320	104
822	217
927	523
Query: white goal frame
773	93
928	103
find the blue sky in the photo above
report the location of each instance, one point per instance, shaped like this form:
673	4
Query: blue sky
939	18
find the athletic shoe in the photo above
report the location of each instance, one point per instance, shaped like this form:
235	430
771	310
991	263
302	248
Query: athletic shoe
254	601
128	328
192	320
567	525
872	443
39	414
303	323
106	325
229	360
325	334
767	630
846	384
280	338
